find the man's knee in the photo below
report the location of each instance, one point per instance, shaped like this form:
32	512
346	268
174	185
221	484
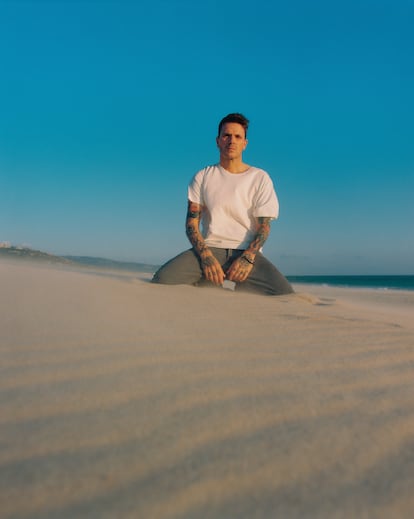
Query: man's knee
267	279
164	276
184	269
159	277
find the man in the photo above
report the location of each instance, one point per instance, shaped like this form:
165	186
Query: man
234	203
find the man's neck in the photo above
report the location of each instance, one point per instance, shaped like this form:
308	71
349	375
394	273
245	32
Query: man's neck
233	166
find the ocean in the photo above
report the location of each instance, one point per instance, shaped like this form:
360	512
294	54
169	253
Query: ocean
375	282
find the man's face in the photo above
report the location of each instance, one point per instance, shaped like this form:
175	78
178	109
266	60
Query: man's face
231	141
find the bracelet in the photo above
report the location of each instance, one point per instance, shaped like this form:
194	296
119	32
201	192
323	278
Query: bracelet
247	259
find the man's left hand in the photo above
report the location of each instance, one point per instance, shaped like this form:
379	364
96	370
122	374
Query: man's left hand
239	270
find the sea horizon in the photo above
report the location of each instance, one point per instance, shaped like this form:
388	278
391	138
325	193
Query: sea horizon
379	282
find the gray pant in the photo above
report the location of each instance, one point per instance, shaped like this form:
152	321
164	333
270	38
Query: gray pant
185	269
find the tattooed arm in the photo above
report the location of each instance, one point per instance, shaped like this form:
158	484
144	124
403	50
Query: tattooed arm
240	268
211	267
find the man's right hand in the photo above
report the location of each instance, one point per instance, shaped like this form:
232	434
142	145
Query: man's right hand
212	268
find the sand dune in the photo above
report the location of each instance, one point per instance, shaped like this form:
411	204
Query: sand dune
124	399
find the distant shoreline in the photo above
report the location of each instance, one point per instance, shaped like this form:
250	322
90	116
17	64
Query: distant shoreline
376	282
26	254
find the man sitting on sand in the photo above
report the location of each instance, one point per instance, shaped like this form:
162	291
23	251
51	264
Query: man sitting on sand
234	203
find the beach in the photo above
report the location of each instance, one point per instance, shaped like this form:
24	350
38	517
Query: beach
121	398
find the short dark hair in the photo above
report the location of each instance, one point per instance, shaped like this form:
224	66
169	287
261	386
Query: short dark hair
235	118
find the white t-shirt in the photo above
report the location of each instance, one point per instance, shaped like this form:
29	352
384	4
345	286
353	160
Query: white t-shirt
231	203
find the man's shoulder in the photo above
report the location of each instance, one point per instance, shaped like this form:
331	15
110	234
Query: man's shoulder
200	177
207	170
259	171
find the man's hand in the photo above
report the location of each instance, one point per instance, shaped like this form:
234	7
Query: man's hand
239	270
212	268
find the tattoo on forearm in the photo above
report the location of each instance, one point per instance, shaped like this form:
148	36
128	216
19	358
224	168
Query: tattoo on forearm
262	233
195	238
193	228
193	213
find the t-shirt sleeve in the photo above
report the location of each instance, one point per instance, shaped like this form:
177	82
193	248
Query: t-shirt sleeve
266	203
195	188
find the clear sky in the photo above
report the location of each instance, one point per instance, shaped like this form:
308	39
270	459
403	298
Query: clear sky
108	108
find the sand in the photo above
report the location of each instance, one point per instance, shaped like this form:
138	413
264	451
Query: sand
123	399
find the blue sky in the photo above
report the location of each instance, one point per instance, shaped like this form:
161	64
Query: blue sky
107	109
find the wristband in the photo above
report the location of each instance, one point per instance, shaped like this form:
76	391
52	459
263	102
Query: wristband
247	259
